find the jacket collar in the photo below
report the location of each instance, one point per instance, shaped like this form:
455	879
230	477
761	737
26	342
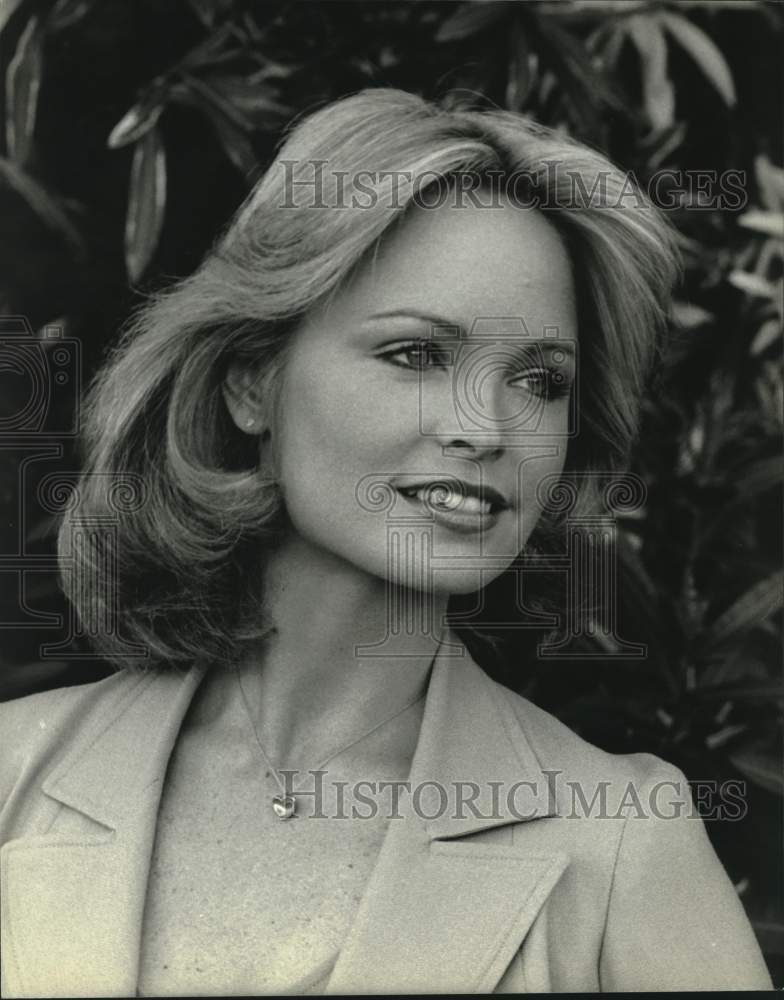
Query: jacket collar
469	737
80	895
116	766
73	897
474	886
472	743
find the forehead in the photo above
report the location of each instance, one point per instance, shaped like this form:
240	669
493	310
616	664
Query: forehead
466	263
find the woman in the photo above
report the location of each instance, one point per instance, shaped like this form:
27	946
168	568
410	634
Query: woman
354	413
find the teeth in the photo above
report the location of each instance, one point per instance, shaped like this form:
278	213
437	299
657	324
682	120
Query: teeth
441	497
451	500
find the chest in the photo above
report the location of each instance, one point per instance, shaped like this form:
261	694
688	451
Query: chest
239	901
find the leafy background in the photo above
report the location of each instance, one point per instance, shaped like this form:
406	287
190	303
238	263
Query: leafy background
133	129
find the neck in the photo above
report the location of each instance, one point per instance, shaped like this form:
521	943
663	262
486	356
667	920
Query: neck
314	686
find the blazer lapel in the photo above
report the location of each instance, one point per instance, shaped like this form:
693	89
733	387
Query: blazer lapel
448	904
452	896
74	896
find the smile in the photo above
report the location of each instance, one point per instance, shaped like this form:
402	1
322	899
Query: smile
463	507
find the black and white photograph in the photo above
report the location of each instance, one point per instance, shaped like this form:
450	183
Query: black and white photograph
391	411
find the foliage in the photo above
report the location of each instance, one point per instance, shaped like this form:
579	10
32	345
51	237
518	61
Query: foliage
134	127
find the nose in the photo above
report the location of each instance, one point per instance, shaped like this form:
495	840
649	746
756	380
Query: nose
471	430
473	447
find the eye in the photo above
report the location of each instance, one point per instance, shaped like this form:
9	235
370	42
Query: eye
418	355
549	383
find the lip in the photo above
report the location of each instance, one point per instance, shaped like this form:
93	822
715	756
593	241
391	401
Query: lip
486	493
461	521
467	524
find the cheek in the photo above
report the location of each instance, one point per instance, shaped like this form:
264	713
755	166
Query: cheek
538	477
333	433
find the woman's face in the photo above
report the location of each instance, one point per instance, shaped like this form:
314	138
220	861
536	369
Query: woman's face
449	356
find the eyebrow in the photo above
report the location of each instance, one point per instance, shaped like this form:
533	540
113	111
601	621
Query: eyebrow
433	319
425	317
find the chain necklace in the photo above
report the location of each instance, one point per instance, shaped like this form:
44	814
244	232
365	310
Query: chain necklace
284	805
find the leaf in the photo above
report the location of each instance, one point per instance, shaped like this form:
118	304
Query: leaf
204	10
753	284
252	29
594	7
665	143
22	84
764	692
208	11
768	223
658	91
730	666
235	142
759	477
249	98
7	10
470	19
46	527
762	768
767	335
754	606
218	47
634	571
770	180
587	89
607	42
723	4
724	735
210	97
136	122
689	316
770	253
146	203
41	202
67	13
770	935
271	70
703	51
519	73
769	387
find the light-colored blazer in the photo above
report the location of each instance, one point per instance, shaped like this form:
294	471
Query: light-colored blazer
536	893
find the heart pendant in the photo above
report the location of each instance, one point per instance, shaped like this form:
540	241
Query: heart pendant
284	806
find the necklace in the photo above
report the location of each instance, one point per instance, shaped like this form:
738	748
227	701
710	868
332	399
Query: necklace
284	805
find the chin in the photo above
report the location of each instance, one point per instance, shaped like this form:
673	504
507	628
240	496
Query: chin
435	568
442	582
439	571
456	582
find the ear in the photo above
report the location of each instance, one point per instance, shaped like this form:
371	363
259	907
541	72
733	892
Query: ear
246	393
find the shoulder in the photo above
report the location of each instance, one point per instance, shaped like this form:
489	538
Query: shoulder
561	750
671	918
23	716
36	729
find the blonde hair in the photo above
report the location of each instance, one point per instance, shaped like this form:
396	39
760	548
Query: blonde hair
155	413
